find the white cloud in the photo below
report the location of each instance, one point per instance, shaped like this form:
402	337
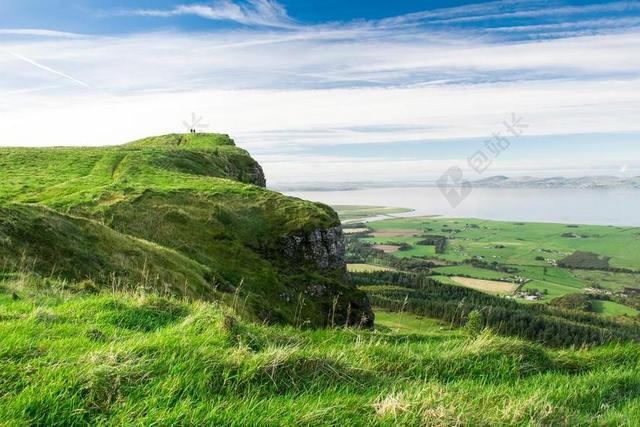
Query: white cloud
38	33
253	12
508	9
278	119
317	86
43	67
321	58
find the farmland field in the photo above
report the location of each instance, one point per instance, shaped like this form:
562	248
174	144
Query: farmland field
489	286
356	212
522	243
366	267
470	271
543	261
613	309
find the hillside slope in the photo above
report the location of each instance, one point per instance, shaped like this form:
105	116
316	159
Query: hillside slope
183	213
127	359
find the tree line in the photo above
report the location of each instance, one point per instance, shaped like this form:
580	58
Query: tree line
549	325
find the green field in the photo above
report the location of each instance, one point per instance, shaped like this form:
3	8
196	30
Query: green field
470	271
613	309
523	242
414	251
366	267
407	323
132	359
608	280
500	250
358	212
556	281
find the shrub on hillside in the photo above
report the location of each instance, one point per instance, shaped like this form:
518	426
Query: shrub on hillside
585	260
579	302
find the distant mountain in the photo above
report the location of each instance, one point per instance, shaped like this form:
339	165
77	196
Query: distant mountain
498	181
603	182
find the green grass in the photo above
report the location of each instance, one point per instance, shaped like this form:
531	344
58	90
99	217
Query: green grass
612	308
357	212
414	251
470	271
135	359
520	246
407	323
556	281
366	267
523	242
445	280
608	280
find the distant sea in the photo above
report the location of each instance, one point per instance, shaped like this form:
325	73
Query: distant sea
567	206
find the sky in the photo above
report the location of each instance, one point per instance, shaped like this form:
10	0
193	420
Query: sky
328	90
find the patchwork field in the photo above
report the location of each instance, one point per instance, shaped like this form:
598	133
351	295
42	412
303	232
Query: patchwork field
358	212
359	268
608	280
489	286
522	243
470	271
613	309
543	261
388	249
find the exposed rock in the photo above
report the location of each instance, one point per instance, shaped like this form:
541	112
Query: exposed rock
258	177
323	247
316	290
362	315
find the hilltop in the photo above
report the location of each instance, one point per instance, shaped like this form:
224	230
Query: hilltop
181	214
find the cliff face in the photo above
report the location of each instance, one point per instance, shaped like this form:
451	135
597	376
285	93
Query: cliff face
257	175
322	247
193	197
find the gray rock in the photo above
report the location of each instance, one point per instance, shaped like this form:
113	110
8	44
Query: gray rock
323	247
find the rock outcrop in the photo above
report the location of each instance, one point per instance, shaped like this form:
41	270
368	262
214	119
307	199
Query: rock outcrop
322	247
257	175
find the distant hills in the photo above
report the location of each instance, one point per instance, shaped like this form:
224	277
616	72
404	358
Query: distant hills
604	182
498	181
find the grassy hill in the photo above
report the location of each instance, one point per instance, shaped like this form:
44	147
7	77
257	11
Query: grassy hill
126	358
160	283
185	214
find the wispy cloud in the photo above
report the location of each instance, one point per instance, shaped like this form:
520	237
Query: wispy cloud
279	86
592	25
43	67
38	33
267	13
503	9
556	12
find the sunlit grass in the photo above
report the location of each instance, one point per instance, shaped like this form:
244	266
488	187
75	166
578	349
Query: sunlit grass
130	358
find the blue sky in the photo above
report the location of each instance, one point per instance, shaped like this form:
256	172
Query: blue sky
334	90
110	17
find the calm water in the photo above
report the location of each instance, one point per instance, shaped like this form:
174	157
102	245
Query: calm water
604	207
